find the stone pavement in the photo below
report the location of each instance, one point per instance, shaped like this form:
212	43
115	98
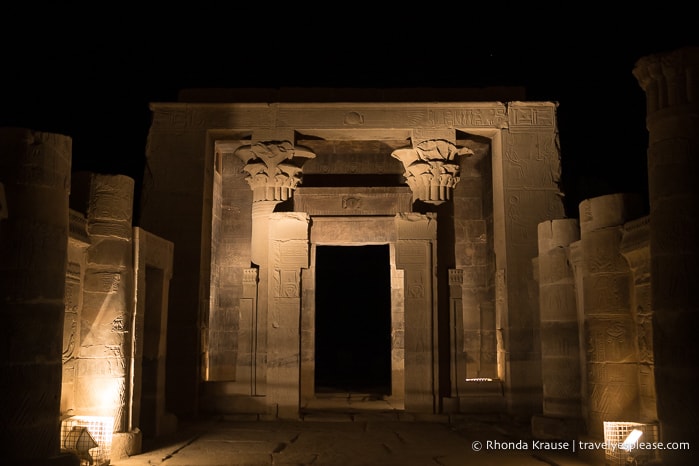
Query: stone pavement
357	438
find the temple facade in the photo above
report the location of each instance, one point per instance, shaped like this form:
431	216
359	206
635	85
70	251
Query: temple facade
449	195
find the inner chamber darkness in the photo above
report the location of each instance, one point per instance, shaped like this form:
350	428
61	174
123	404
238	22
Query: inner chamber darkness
353	319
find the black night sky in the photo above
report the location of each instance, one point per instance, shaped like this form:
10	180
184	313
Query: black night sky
90	73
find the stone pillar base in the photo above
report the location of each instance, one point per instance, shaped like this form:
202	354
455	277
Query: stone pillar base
482	397
125	444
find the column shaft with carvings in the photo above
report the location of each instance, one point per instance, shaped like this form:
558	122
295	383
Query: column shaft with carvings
274	168
108	298
671	85
635	247
35	176
610	332
560	346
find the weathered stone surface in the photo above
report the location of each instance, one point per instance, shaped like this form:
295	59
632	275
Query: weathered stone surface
35	171
501	185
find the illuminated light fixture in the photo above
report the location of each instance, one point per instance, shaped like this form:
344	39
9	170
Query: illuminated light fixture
631	440
80	441
621	439
479	379
90	437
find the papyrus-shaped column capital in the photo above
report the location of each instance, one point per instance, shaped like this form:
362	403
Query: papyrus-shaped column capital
274	168
431	168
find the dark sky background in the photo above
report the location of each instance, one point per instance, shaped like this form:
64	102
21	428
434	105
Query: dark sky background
90	73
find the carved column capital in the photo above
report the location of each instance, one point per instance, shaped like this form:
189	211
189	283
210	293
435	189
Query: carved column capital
274	168
669	79
432	169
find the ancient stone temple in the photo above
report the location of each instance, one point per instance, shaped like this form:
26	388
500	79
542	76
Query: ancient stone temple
296	245
379	247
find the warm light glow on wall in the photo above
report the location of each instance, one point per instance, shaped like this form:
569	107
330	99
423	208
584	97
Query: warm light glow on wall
108	396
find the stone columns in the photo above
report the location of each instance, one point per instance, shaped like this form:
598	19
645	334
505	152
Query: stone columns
416	251
560	346
671	84
274	171
431	168
108	301
635	247
35	177
612	381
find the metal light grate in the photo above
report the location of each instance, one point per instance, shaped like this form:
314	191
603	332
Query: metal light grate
90	437
615	433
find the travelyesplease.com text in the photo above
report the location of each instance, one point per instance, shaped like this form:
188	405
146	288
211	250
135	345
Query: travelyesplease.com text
572	446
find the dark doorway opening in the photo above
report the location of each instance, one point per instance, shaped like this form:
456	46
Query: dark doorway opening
353	319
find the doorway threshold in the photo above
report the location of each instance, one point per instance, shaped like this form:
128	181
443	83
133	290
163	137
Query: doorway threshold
349	406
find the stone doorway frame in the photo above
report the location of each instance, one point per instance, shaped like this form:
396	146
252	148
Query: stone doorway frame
308	328
412	253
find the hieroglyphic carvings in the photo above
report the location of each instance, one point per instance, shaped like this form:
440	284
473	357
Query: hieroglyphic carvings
531	116
102	281
353	201
111	199
416	226
415	284
71	316
353	119
479	117
610	340
606	293
290	254
612	392
532	160
286	283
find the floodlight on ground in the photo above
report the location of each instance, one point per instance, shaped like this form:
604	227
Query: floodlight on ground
79	441
89	437
631	439
621	440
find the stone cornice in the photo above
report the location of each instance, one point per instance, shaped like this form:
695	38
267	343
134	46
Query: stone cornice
306	117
